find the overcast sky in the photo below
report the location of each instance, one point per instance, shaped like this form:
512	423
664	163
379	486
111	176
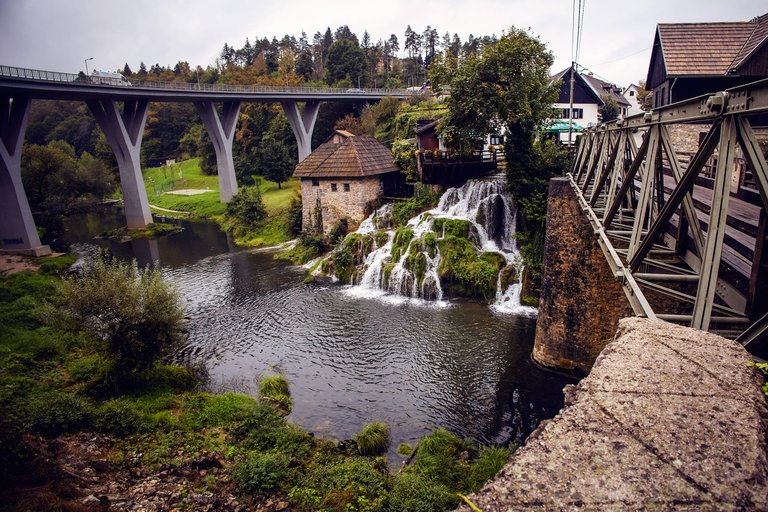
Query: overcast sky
59	34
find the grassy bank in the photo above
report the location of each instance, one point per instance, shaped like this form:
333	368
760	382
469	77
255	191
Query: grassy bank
162	438
272	230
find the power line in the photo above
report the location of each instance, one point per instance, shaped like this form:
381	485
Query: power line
625	57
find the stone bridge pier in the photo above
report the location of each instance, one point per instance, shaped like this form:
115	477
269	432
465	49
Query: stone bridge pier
581	301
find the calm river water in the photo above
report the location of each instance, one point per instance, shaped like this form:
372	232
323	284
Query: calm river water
349	360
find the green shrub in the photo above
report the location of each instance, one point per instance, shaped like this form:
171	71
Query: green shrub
373	439
274	385
441	458
120	418
414	493
246	207
485	467
341	484
403	211
56	265
228	408
132	312
343	263
265	429
85	368
180	378
260	473
338	231
405	450
56	412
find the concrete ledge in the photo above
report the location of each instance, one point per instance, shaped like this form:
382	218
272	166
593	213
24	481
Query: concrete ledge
670	418
42	250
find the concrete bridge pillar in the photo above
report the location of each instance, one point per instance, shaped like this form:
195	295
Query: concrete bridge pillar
302	124
222	133
581	301
124	132
17	227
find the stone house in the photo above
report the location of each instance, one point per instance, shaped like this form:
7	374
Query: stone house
345	178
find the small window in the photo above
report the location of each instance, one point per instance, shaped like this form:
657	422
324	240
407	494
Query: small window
346	187
333	187
578	113
315	182
566	113
631	93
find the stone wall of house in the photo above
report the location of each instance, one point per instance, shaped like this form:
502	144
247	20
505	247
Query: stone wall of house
581	302
338	204
685	137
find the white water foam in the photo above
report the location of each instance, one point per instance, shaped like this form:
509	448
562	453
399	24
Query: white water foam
489	208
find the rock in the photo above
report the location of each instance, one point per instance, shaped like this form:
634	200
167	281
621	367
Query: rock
91	500
670	418
281	505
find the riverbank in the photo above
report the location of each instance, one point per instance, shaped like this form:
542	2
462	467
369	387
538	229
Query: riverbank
66	444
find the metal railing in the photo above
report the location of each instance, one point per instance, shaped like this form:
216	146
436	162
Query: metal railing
686	248
55	76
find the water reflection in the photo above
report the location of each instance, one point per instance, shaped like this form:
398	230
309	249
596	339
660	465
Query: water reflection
350	361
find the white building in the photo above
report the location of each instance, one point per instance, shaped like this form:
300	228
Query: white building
588	94
630	94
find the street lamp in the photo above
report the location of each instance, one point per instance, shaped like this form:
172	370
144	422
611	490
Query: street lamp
86	66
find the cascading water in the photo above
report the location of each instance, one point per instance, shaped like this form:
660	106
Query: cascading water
405	263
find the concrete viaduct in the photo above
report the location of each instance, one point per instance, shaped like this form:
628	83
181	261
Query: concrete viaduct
120	110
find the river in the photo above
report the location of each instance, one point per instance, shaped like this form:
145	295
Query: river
349	360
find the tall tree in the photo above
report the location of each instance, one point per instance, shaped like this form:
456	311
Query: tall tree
345	60
431	40
609	110
506	88
275	161
343	32
644	97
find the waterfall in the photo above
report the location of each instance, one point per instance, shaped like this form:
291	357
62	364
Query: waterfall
404	263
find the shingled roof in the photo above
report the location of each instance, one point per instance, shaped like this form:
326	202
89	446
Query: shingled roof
357	156
707	49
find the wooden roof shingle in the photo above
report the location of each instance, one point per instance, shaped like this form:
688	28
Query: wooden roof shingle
709	48
357	156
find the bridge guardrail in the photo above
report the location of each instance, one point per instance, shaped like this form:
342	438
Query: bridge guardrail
55	76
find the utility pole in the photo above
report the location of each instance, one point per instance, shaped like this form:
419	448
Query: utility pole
570	110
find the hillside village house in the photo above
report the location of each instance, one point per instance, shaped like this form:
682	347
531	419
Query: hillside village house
588	93
630	94
691	59
345	178
437	167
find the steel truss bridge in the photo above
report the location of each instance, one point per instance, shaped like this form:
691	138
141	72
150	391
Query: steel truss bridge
681	232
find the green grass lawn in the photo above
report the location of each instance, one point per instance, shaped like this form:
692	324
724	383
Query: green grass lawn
187	175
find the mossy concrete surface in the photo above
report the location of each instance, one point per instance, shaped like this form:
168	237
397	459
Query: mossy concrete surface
670	418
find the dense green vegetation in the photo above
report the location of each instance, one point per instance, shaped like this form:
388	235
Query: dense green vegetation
83	354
